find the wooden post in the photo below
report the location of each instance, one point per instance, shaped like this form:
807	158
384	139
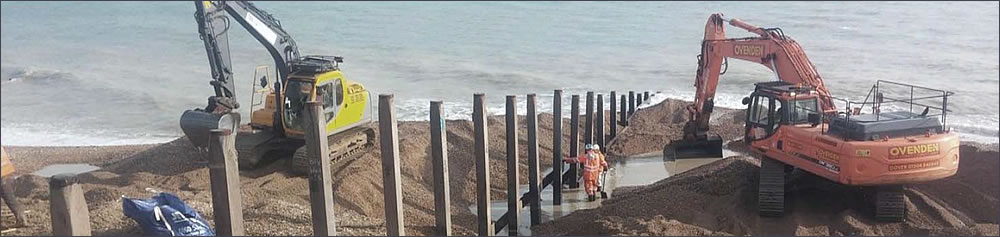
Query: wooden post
557	164
574	139
588	125
388	137
513	196
320	180
223	171
614	117
645	95
482	166
439	154
631	103
534	185
624	112
599	123
638	101
67	207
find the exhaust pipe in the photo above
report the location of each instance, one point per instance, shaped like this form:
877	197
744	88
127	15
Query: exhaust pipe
198	124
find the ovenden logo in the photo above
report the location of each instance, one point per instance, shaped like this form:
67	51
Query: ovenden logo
910	151
748	50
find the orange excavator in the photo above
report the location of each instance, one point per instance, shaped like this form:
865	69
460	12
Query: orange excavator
793	125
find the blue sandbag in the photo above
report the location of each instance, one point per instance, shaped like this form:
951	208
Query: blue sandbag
166	215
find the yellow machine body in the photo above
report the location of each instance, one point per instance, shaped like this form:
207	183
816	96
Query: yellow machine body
346	104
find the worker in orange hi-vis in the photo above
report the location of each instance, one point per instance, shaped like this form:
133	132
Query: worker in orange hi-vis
593	165
7	193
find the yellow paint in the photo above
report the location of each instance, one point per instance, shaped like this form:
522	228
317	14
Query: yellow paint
348	114
900	152
828	155
748	50
911	166
863	152
355	102
208	4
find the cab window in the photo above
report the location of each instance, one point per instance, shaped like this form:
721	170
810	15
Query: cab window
296	96
338	87
801	110
760	110
332	96
761	119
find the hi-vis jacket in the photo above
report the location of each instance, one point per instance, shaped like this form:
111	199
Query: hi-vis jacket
8	167
593	164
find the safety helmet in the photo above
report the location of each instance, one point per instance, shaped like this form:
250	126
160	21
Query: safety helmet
588	147
595	147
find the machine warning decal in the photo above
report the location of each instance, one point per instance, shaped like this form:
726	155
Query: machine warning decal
911	166
825	164
902	152
748	50
863	152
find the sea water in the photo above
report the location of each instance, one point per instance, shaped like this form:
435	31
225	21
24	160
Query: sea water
99	73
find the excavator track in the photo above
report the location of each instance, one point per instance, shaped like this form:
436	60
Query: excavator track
246	152
254	148
345	146
890	204
771	188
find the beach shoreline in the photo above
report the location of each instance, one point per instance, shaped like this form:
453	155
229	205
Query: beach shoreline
276	202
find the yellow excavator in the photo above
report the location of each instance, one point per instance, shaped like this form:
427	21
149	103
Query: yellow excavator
277	120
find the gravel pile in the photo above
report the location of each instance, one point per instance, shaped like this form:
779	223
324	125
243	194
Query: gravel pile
720	199
710	200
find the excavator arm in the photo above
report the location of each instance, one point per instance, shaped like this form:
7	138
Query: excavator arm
770	48
214	20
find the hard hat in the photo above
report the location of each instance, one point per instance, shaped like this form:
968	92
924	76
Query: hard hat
588	147
595	147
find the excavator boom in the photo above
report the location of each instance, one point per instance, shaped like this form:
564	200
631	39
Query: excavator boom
770	48
214	20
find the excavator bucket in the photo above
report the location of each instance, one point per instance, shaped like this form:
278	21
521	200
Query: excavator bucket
711	147
198	125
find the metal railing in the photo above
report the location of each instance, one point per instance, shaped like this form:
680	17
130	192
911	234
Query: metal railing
876	98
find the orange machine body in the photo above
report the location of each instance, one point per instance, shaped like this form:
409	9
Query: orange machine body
903	155
885	161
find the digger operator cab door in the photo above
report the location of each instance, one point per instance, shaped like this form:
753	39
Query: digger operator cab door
762	118
327	88
331	94
298	91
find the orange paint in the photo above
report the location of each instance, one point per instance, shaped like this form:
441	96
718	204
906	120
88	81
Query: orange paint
7	166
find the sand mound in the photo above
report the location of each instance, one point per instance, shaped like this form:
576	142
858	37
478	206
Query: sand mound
653	127
710	200
720	198
277	203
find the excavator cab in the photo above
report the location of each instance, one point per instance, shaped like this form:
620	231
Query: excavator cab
779	103
297	92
